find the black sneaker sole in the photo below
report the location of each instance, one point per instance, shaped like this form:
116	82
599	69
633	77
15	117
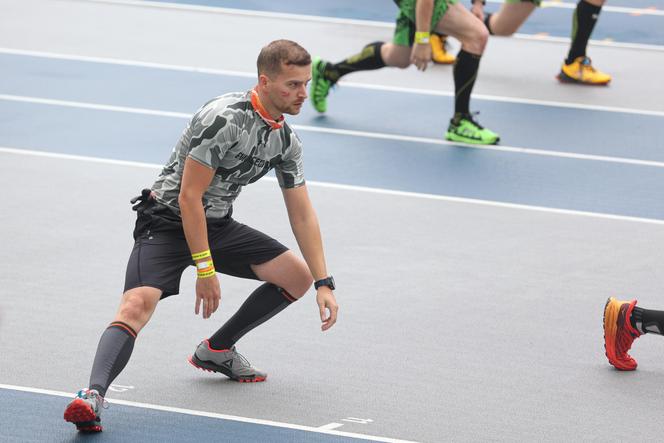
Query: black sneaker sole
81	414
564	78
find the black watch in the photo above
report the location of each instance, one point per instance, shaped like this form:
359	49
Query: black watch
329	282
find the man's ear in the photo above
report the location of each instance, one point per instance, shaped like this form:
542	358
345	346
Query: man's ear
263	80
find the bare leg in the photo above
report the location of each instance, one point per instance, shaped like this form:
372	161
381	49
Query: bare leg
510	17
137	307
395	55
287	271
465	27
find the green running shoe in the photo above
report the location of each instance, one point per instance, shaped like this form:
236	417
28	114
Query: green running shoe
320	86
464	129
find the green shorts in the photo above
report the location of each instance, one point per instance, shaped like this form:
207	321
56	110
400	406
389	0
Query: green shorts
536	2
404	33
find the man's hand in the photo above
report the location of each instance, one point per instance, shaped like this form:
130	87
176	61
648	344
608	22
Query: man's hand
478	10
327	304
420	55
208	291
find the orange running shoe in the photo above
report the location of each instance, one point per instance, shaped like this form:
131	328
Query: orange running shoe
581	71
619	333
439	53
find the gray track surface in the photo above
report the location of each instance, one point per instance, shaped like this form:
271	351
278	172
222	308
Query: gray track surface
458	321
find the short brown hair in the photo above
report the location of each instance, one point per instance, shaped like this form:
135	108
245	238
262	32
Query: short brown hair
281	52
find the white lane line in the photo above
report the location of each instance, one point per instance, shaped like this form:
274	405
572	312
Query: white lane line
375	24
605	8
362	421
335	20
211	415
420	91
353	188
331	426
124	62
83	158
499	98
604	43
349	132
511	149
94	106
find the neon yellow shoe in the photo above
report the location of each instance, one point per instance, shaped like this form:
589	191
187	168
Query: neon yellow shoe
463	128
320	86
582	71
439	52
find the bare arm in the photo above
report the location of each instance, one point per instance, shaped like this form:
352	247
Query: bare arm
304	223
196	179
421	52
423	14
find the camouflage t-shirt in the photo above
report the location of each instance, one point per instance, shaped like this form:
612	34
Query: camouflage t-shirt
235	136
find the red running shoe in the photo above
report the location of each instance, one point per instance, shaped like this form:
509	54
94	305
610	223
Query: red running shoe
84	410
619	333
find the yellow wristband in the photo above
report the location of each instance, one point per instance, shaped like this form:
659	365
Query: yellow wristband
206	274
422	38
202	254
205	269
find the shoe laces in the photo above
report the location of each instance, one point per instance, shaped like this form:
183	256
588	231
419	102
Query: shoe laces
241	357
587	64
625	338
469	117
91	394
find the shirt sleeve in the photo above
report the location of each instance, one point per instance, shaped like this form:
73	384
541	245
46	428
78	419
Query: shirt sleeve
212	134
290	171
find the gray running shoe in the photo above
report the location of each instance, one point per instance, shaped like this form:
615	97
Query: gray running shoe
229	362
85	409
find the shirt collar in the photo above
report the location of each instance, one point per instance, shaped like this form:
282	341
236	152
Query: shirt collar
260	109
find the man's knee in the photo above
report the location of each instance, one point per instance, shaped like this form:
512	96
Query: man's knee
401	64
481	35
136	307
303	281
476	39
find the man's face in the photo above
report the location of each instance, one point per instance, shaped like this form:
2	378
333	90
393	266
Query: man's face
288	90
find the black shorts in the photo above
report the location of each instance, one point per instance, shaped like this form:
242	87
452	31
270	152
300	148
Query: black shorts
161	253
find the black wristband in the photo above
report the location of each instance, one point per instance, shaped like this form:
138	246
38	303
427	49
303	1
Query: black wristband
329	282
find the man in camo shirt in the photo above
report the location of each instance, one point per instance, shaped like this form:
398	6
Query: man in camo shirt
186	219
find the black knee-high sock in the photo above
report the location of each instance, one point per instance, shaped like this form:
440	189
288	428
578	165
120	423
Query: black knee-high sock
263	304
585	17
646	320
465	73
113	352
369	58
487	22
